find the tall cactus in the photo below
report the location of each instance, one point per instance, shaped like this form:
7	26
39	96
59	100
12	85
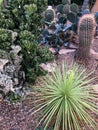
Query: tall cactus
86	30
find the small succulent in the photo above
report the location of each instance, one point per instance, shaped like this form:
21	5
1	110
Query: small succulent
74	8
71	17
66	9
60	8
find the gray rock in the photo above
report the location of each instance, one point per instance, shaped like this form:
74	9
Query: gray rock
6	82
3	62
12	77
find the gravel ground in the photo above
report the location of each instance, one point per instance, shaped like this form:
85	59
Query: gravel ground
15	116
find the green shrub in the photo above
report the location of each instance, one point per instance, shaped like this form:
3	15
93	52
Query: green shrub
24	17
33	55
5	39
65	99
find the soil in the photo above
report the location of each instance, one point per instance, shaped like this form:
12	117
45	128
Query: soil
16	117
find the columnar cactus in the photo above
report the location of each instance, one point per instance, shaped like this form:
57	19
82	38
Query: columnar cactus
86	30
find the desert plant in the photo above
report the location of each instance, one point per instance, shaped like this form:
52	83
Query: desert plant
71	17
66	9
74	8
65	98
86	30
60	8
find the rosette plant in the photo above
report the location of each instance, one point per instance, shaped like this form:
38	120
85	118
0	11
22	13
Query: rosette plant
65	99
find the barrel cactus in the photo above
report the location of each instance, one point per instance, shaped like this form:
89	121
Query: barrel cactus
66	9
60	8
74	8
86	30
49	14
71	17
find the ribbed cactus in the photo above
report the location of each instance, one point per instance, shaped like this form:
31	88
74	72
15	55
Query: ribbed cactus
49	14
66	9
66	2
71	17
86	30
74	8
60	8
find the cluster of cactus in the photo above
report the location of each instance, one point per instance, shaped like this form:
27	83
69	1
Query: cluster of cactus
71	10
74	8
60	8
86	30
66	9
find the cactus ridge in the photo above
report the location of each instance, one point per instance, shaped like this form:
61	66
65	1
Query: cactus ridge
60	8
86	30
71	17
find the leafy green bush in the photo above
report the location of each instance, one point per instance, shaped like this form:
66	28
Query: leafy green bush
33	55
65	99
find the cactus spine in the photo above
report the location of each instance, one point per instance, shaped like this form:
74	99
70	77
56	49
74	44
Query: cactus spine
86	30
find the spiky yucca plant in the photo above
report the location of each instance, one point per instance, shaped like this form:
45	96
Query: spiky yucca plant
65	98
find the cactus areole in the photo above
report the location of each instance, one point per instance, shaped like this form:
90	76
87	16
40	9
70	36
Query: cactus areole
86	30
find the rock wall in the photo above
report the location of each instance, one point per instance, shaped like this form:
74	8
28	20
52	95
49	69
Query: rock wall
12	77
